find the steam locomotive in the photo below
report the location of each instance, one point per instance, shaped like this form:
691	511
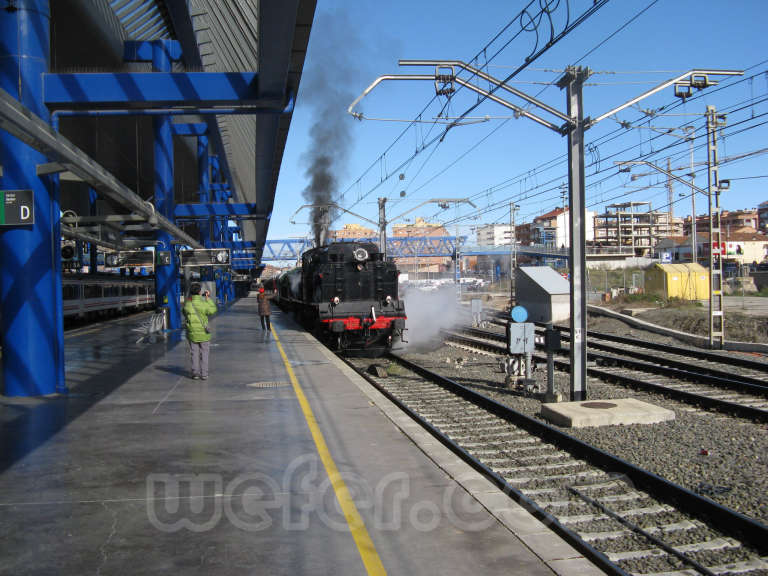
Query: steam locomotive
347	293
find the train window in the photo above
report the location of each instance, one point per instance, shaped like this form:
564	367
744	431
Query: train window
71	292
92	291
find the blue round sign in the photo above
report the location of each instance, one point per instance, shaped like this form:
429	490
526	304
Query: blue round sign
519	314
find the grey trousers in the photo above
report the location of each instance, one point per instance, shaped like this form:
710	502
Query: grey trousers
198	353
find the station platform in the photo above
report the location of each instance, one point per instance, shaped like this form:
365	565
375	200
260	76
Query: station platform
283	462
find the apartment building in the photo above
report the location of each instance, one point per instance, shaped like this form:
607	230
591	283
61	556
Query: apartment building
493	235
731	221
421	227
632	225
553	228
353	231
762	217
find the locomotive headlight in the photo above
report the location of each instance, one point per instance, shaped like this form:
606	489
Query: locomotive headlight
335	301
360	254
388	299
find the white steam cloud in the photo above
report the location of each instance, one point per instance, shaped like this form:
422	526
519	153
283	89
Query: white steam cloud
430	312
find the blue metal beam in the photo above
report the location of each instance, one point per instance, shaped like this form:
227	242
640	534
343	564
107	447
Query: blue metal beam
197	129
155	89
214	209
141	50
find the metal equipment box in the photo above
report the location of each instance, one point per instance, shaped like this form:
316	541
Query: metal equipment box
544	293
521	338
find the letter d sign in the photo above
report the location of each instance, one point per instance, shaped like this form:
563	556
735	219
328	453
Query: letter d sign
25	213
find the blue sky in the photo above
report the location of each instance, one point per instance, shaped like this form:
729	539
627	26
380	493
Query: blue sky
505	159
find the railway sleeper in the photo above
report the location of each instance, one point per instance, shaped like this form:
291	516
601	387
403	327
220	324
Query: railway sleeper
555	478
682	526
753	565
715	544
645	511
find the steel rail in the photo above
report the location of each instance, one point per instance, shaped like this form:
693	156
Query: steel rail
692	352
740	382
739	410
699	354
534	509
744	383
727	520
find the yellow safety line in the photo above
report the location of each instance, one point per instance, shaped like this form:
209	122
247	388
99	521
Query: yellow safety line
355	522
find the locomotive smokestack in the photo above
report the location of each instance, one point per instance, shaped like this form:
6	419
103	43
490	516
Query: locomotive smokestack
326	88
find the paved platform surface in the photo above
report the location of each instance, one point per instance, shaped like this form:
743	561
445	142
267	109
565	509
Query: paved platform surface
142	470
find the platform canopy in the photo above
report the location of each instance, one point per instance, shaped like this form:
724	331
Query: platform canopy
257	49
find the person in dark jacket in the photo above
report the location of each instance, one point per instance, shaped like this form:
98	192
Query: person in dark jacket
196	311
264	308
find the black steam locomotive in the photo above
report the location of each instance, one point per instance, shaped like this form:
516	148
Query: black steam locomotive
347	293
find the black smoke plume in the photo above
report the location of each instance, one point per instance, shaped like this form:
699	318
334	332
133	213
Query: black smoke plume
327	87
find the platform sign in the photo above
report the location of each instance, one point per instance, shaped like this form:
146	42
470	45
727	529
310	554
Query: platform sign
205	257
17	207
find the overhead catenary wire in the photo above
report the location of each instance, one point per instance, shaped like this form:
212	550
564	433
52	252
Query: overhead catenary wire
503	203
561	158
616	134
570	26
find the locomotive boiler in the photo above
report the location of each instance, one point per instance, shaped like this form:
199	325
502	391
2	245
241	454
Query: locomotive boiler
347	293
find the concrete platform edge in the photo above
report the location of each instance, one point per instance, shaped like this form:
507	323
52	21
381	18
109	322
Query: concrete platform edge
553	551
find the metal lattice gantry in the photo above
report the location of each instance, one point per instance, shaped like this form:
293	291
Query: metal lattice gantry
397	247
247	254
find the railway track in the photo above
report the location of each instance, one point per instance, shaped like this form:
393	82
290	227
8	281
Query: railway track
700	385
711	363
625	519
715	360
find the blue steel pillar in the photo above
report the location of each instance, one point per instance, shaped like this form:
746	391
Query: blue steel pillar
30	326
166	277
203	168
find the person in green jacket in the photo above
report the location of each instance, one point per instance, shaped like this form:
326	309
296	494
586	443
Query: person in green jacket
196	311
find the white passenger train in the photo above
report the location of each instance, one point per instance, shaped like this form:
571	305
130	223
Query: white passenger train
91	295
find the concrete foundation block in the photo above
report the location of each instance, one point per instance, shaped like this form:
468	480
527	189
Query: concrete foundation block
604	413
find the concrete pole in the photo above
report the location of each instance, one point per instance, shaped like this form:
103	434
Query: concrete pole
573	81
30	323
166	277
383	227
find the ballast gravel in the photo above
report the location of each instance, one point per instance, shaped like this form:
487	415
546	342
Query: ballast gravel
710	453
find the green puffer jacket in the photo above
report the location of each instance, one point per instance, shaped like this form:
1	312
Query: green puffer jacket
205	308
